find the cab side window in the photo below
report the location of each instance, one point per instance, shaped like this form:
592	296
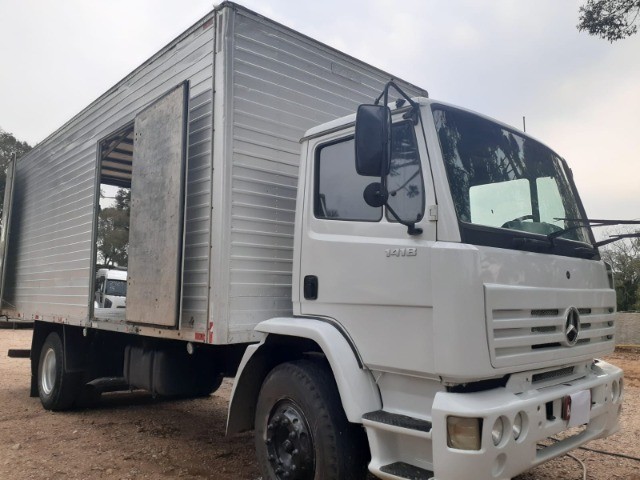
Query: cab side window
339	188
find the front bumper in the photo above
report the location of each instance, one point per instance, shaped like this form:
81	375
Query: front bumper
541	409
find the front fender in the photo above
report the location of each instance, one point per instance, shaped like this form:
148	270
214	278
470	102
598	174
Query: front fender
359	393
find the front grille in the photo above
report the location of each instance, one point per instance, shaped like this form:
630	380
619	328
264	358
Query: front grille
519	335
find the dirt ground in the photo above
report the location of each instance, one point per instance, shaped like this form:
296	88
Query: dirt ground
132	436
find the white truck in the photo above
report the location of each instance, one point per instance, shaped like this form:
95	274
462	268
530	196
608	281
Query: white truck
415	290
111	288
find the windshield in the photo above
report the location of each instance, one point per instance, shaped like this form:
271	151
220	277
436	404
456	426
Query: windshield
117	288
505	180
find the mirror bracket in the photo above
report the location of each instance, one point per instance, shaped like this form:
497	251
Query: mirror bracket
412	114
376	195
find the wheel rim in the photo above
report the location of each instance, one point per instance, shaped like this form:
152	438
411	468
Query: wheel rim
48	378
289	442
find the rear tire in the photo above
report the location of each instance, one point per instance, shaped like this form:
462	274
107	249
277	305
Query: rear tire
301	431
57	389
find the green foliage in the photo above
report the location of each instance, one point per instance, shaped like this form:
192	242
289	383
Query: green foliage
123	200
610	19
8	146
113	230
624	257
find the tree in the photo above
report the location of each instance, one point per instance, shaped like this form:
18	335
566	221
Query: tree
624	257
8	146
610	19
123	200
113	230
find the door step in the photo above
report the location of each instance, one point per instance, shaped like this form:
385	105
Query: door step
109	384
404	470
383	420
395	440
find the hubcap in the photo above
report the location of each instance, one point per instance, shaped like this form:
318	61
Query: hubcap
289	442
48	371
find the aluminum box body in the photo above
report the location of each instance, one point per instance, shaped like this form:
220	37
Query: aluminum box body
255	87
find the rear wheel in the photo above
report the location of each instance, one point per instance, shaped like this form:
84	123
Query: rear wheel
57	389
302	432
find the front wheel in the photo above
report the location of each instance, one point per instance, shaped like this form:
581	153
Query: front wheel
301	431
57	389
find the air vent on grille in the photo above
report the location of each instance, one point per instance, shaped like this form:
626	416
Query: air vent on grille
562	372
544	345
543	329
549	312
584	311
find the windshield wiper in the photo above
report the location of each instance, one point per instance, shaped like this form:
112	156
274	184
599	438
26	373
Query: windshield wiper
615	238
593	222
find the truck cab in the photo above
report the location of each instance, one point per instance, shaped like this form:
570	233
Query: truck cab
111	288
465	279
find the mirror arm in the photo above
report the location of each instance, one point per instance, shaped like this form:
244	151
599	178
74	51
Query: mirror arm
413	114
411	227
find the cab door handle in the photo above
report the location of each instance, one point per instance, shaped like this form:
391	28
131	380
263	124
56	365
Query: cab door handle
311	287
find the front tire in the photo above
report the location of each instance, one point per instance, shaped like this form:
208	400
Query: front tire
302	432
57	389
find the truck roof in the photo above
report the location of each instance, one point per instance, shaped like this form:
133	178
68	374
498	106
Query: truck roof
350	120
112	274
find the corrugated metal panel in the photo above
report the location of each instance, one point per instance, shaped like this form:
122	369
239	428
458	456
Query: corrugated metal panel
282	84
195	287
51	241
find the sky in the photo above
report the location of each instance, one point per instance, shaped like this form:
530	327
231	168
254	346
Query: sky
503	58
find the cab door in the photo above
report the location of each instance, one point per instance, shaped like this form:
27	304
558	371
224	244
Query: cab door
360	268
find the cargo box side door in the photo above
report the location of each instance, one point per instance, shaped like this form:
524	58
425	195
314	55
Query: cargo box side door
6	220
156	232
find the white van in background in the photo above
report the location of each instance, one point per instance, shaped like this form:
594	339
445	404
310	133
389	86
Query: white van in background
111	288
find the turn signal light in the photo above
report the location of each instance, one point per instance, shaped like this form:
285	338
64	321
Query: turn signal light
464	433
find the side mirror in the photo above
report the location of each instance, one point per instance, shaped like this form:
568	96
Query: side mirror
373	140
376	195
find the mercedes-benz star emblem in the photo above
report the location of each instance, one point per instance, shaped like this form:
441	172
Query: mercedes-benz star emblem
572	327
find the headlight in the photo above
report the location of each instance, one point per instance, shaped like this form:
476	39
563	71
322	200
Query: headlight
464	433
497	432
615	390
518	423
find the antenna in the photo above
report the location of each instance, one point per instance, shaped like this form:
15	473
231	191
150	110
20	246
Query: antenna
524	124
